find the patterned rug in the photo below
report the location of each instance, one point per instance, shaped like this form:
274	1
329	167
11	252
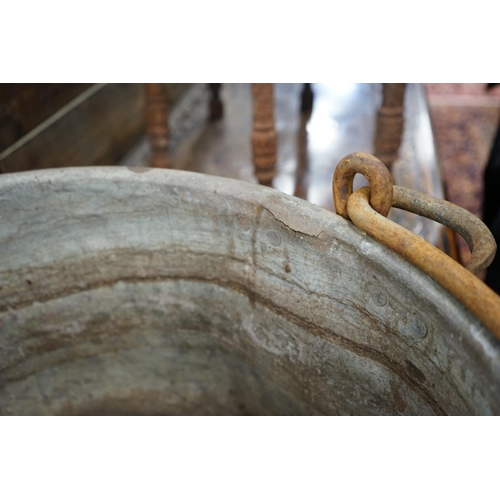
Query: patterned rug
464	118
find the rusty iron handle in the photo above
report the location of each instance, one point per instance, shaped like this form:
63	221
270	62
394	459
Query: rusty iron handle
466	287
374	170
479	238
383	195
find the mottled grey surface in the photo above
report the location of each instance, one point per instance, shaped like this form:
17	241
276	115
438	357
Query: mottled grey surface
136	291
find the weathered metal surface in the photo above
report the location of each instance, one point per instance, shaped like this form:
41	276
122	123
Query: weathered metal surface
157	124
471	291
264	138
146	291
390	121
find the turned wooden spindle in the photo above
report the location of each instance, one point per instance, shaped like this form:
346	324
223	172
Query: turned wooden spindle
216	108
302	171
264	138
157	124
390	123
306	99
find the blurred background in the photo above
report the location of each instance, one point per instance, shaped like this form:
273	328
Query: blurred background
446	141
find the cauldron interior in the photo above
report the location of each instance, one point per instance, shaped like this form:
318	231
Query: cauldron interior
152	292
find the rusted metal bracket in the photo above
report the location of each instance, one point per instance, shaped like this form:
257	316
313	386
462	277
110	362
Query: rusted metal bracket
459	281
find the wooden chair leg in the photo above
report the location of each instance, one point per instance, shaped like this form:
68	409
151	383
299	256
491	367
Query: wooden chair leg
264	138
157	125
216	109
301	173
390	122
306	99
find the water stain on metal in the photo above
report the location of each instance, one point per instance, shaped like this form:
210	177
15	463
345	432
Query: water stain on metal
274	238
378	297
242	222
415	372
417	328
399	402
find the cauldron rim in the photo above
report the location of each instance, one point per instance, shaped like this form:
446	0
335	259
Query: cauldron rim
297	215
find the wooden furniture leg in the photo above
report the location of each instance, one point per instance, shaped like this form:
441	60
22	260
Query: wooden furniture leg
264	138
301	173
157	125
306	99
390	123
216	108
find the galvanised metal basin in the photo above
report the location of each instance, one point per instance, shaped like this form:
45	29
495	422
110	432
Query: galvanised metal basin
161	292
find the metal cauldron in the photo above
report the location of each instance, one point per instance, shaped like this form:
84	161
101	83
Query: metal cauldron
143	291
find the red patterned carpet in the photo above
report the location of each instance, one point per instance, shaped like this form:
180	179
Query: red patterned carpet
464	119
